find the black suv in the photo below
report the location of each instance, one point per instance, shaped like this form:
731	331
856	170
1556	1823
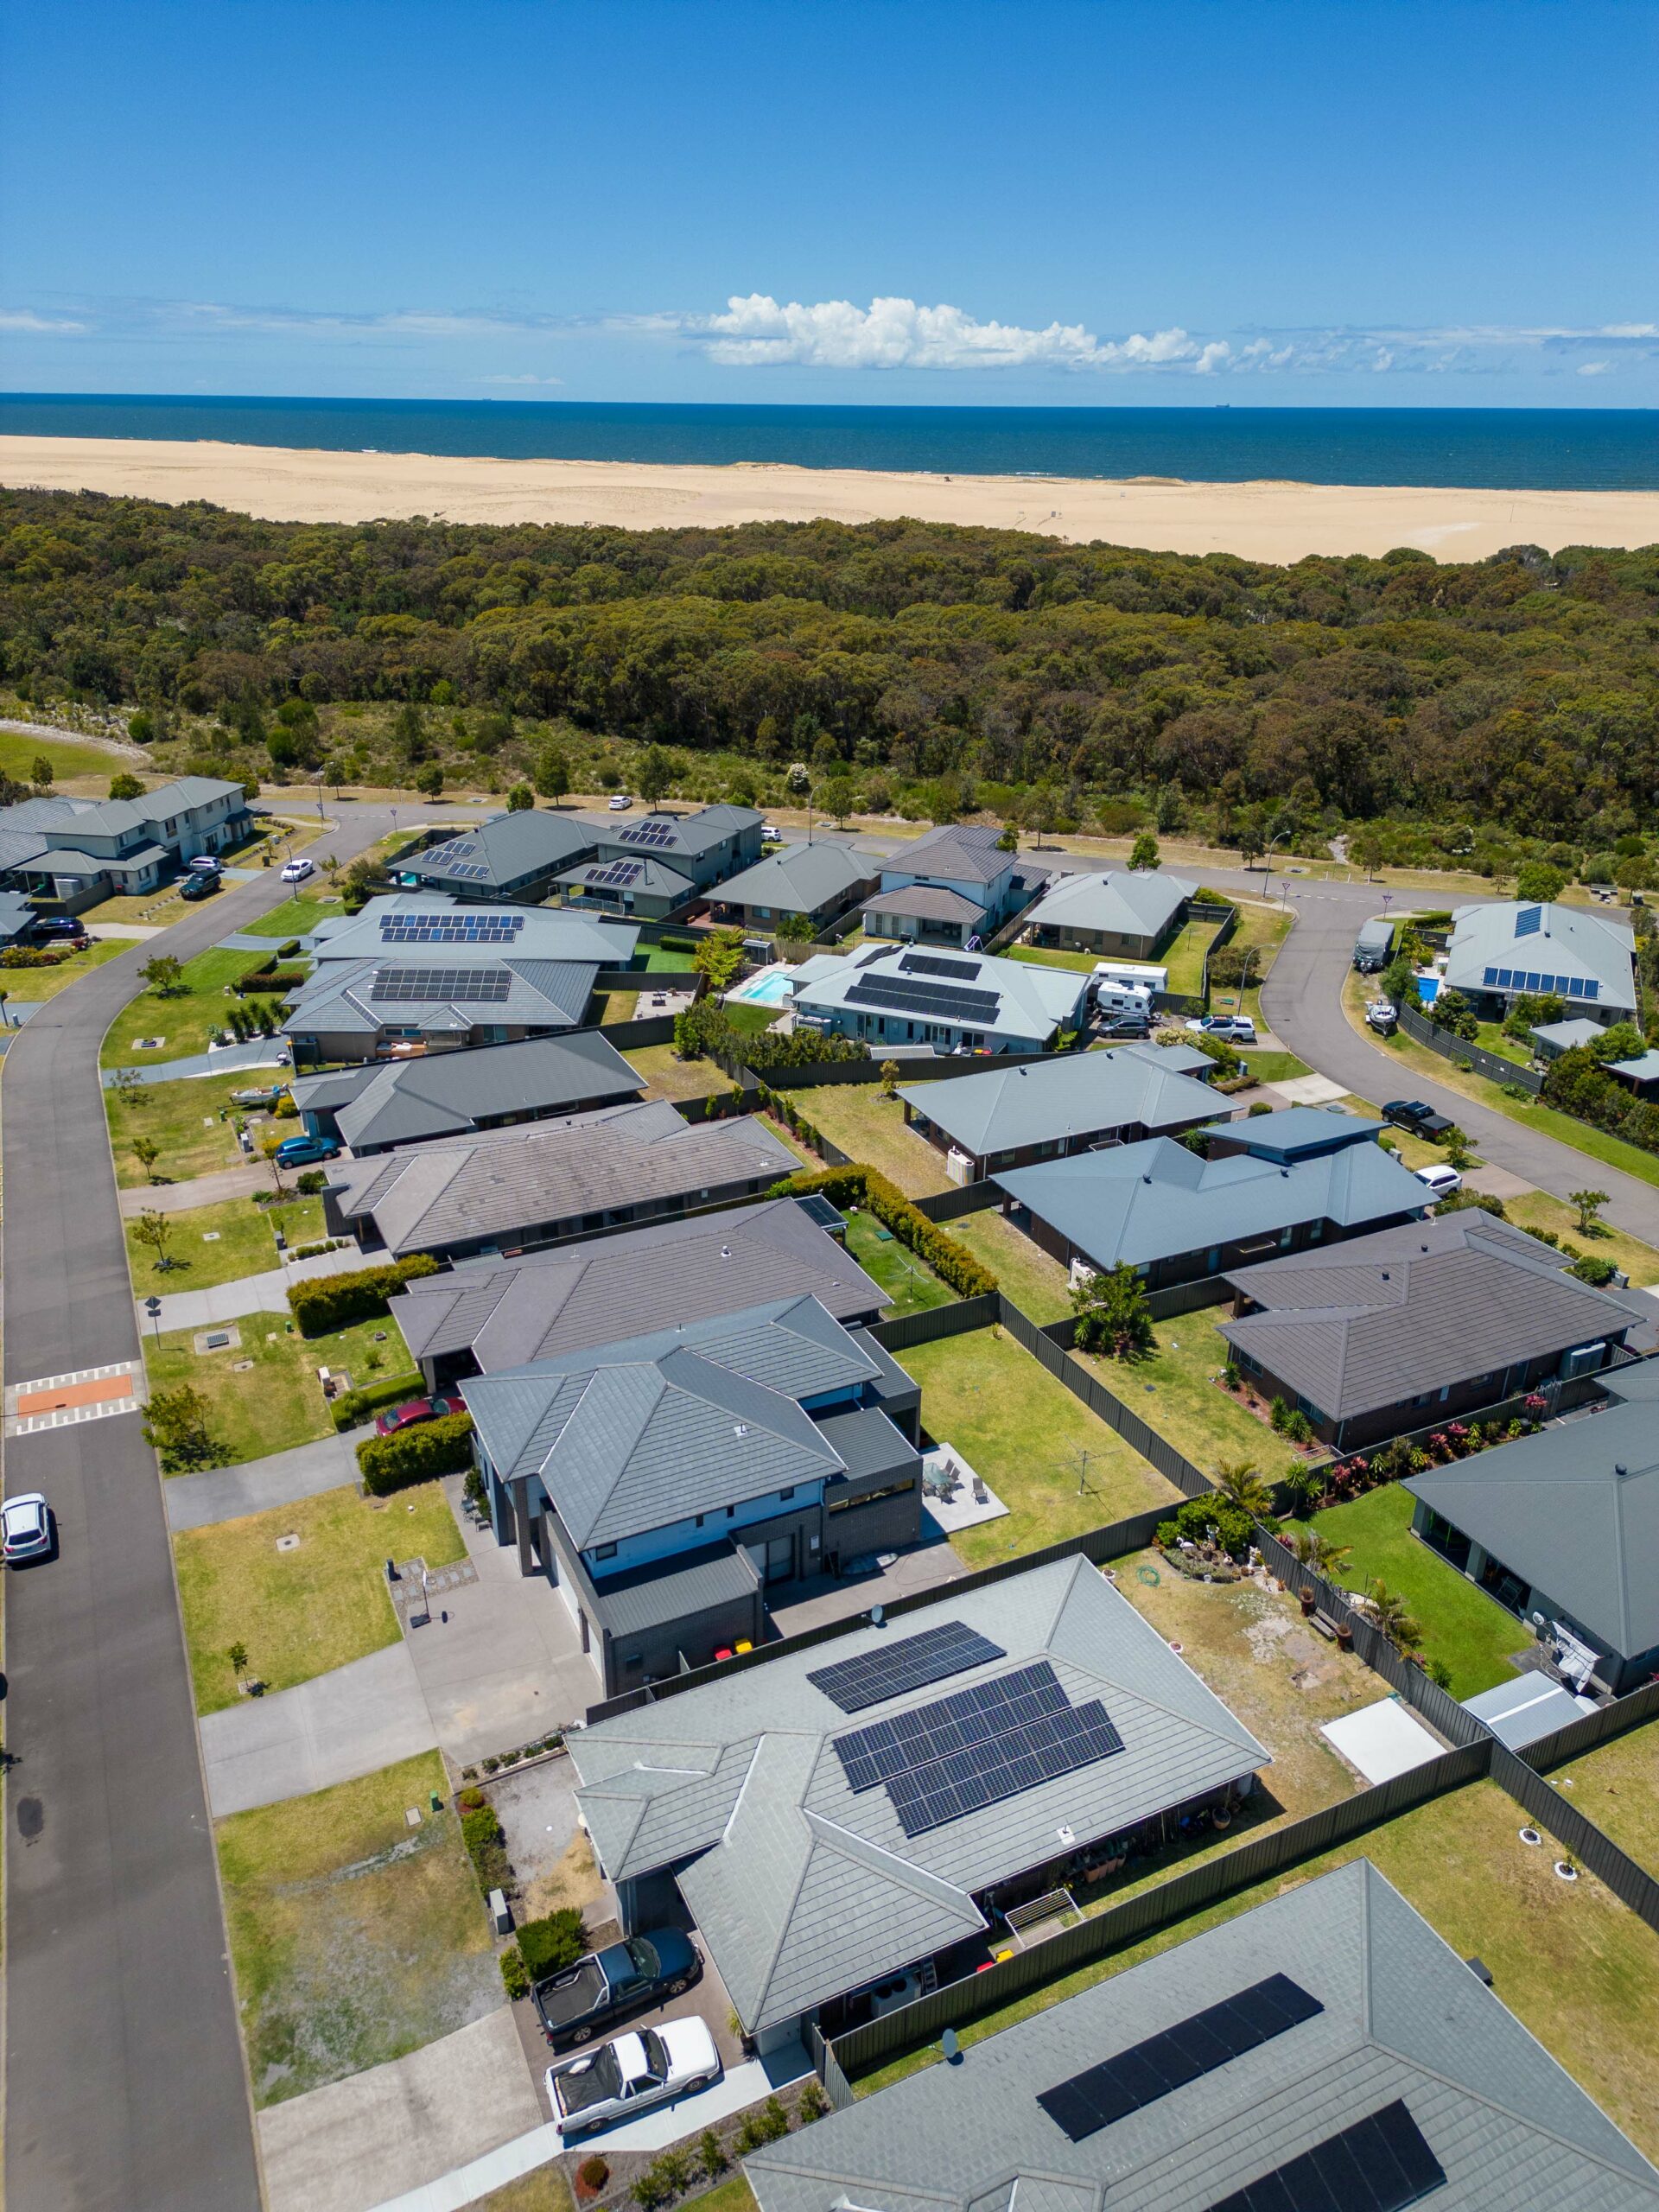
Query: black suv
199	887
1422	1121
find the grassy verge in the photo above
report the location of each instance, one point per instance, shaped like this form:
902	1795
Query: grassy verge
1026	1434
545	2191
1461	1626
293	918
1035	1282
31	986
910	1284
277	1403
354	1938
871	1129
1184	957
188	1120
1172	1390
221	1244
1275	1067
1615	1787
186	1020
1579	1971
320	1604
1537	1210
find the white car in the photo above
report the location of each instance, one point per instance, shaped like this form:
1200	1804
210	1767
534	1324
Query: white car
1230	1029
1440	1178
619	802
631	2074
296	871
26	1523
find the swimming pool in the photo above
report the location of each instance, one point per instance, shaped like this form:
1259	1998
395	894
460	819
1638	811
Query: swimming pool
769	988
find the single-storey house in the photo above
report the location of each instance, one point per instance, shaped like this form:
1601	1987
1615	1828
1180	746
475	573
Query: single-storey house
17	917
1420	1324
1501	953
953	885
508	1191
1009	1117
705	846
815	883
485	1315
644	889
1325	2051
77	851
897	995
372	1106
713	1459
1562	1529
1175	1219
512	858
1132	912
1290	1134
826	1831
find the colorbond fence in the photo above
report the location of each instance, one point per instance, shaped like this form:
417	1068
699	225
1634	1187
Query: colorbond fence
1630	1883
1492	1065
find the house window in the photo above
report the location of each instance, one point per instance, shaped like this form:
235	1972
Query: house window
604	1551
869	1496
784	1495
731	1513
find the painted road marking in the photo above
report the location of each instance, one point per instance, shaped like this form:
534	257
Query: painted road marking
60	1401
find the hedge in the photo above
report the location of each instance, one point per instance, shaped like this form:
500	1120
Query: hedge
358	1405
323	1303
549	1946
416	1455
952	1262
486	1844
279	981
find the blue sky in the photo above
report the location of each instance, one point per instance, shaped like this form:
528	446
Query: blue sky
1347	203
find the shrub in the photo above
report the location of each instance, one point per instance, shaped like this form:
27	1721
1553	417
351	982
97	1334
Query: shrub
593	2174
650	2190
711	2152
287	951
813	2103
487	1847
272	978
857	1185
357	1405
325	1303
1592	1268
549	1945
416	1455
1234	1530
514	1975
311	1182
763	2126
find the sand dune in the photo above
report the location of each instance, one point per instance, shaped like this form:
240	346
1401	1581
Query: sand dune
1259	521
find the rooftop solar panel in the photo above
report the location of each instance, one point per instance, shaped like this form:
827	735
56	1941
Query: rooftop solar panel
463	986
934	1003
1096	2098
1530	921
650	833
910	1664
1383	2164
450	929
929	963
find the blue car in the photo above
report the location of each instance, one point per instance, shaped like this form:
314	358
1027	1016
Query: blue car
302	1151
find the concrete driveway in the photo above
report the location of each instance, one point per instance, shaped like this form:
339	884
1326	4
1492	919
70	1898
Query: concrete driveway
284	1477
338	1725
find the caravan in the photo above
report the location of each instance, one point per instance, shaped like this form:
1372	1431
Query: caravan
1132	975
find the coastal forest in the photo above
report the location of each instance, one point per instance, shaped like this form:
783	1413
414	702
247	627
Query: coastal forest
1438	709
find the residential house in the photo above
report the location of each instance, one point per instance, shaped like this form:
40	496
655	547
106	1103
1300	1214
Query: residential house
77	851
374	1105
1291	1134
1501	953
953	887
1420	1324
1176	1218
485	1315
813	885
511	858
662	1484
1562	1529
896	994
1325	2051
1131	913
814	1822
643	888
508	1191
18	919
704	848
1009	1117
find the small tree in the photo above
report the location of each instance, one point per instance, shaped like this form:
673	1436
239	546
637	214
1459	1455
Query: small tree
431	780
889	1077
178	1425
125	786
552	774
146	1152
164	975
1112	1314
838	798
1588	1204
1143	854
1456	1147
154	1232
1389	1612
40	774
130	1087
1239	1481
654	775
238	1656
1009	841
1455	1012
1317	1553
1366	849
1537	880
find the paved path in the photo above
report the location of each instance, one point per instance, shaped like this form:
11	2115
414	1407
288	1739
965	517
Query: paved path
199	1191
284	1477
137	931
124	2083
266	1293
257	1053
348	1722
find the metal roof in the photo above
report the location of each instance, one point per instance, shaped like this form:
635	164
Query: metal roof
509	1182
698	1581
508	1312
1566	1035
1542	947
1149	1201
804	1888
443	1093
1573	1510
1376	1320
1124	902
801	878
995	998
629	836
1289	1130
457	989
17	915
502	850
640	876
1073	1094
962	852
1401	2016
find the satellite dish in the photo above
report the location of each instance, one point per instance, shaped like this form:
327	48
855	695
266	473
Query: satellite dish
950	2044
878	1615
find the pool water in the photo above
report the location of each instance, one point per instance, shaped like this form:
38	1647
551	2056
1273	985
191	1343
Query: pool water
769	988
1428	989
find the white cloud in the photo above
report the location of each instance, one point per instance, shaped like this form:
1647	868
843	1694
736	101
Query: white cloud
759	331
1214	356
23	322
525	378
1594	368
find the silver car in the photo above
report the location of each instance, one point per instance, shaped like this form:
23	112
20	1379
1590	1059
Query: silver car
26	1527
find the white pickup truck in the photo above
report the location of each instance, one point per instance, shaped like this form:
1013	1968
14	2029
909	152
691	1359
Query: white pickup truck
631	2074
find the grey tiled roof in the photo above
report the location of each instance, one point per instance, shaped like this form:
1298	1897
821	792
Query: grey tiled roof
1402	2017
502	1182
1289	1130
800	879
928	902
817	1890
1030	1001
1125	902
19	848
442	1093
697	1582
1146	1202
507	849
965	852
1070	1095
687	833
17	915
1548	941
345	998
1377	1320
652	881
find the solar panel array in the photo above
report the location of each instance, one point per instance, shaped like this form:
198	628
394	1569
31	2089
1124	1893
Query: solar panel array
453	858
450	929
650	833
930	963
617	873
910	1664
927	1001
1087	2102
1380	2164
1530	921
1528	979
463	986
977	1747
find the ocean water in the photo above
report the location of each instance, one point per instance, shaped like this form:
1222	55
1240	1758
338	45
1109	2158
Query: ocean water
1509	449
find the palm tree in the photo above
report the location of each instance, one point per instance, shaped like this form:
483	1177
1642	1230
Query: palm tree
1388	1612
1239	1481
1317	1553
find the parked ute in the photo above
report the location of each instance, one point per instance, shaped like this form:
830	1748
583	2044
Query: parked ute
26	1527
296	871
631	2075
199	886
1414	1114
304	1152
622	1977
1230	1029
414	1412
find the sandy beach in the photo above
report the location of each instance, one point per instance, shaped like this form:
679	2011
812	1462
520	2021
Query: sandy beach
1258	521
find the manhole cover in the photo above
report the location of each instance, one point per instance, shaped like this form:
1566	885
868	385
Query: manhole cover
217	1340
148	1044
290	1543
210	1235
241	1366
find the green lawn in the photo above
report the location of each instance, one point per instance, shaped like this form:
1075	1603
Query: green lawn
1490	1034
1173	1391
19	753
244	1243
278	1402
910	1284
28	986
354	1938
1185	957
1537	1210
1036	1283
186	1021
302	1611
750	1020
617	1007
1578	1969
1048	955
1273	1067
871	1129
1616	1786
293	918
1461	1626
1026	1434
192	1120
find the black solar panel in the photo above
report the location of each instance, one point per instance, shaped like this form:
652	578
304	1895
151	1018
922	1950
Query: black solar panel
450	929
1148	2070
930	1002
650	833
1528	921
616	872
1380	2164
929	963
910	1664
464	986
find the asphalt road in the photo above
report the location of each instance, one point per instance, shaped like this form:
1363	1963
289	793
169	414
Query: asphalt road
125	2090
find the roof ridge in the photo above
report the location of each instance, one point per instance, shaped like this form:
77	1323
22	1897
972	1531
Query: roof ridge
876	1859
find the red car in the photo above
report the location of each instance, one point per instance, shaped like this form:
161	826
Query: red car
416	1410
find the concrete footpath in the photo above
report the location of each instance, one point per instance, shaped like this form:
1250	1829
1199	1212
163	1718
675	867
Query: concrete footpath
230	1301
284	1477
259	1052
349	1722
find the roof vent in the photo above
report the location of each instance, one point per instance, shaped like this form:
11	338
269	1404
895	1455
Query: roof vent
1385	1272
725	1251
740	1429
878	1615
1145	1179
1619	1468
